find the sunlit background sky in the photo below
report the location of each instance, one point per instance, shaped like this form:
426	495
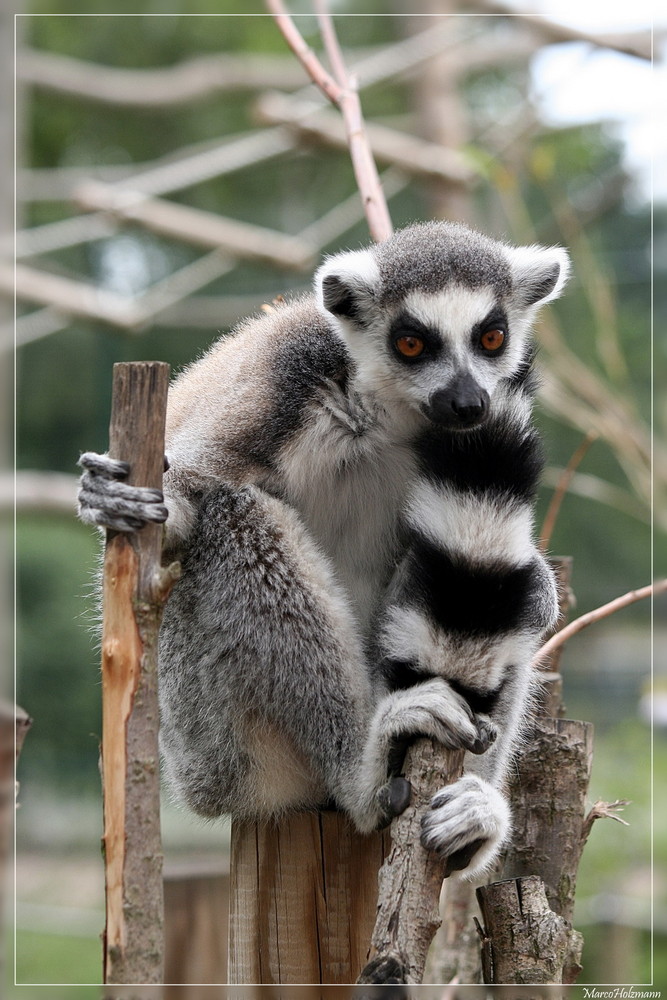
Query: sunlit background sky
575	83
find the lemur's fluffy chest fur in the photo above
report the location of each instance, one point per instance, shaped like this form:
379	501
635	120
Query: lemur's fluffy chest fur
348	473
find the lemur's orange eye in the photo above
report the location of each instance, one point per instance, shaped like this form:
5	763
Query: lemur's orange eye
491	340
410	347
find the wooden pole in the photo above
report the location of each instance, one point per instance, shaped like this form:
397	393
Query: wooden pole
134	590
410	881
196	921
548	792
303	899
14	726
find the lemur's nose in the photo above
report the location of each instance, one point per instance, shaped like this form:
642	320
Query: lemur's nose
462	404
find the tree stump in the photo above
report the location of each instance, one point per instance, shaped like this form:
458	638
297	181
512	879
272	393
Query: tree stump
303	899
523	940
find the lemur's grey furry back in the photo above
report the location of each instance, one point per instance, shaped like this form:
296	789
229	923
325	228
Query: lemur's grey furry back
350	492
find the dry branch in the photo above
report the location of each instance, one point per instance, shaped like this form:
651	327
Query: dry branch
594	488
632	43
410	880
562	488
186	82
76	298
343	94
173	172
40	492
195	226
415	156
135	588
72	297
597	615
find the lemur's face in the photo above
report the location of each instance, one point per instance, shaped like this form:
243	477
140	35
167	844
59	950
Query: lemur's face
449	351
439	317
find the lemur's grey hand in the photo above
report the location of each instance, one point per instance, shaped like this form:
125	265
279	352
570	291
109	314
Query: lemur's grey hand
105	500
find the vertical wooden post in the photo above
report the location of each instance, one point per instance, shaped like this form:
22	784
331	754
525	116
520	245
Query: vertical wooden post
196	920
549	790
303	899
134	591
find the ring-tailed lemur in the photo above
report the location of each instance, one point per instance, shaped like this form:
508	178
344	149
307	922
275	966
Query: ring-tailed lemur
350	493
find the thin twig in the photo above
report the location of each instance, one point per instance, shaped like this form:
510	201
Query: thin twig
597	615
316	71
562	488
330	39
346	99
603	810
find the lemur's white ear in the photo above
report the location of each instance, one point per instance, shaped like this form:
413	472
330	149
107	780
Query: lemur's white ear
539	273
346	282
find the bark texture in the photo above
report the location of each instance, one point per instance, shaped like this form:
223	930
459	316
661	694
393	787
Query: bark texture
303	899
410	880
134	591
523	940
548	791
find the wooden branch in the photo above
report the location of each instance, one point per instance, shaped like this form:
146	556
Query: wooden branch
410	880
76	298
134	590
632	43
548	792
72	297
597	615
165	174
603	810
523	940
345	96
415	156
184	83
38	492
562	488
196	226
593	488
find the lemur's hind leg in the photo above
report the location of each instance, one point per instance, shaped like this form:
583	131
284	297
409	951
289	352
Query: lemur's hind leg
265	694
266	698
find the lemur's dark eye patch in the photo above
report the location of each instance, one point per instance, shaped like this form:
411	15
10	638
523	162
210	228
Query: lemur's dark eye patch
410	339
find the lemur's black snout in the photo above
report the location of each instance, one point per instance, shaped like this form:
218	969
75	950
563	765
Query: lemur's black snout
462	404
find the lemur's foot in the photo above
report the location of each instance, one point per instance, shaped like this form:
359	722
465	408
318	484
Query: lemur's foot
393	799
468	822
107	501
